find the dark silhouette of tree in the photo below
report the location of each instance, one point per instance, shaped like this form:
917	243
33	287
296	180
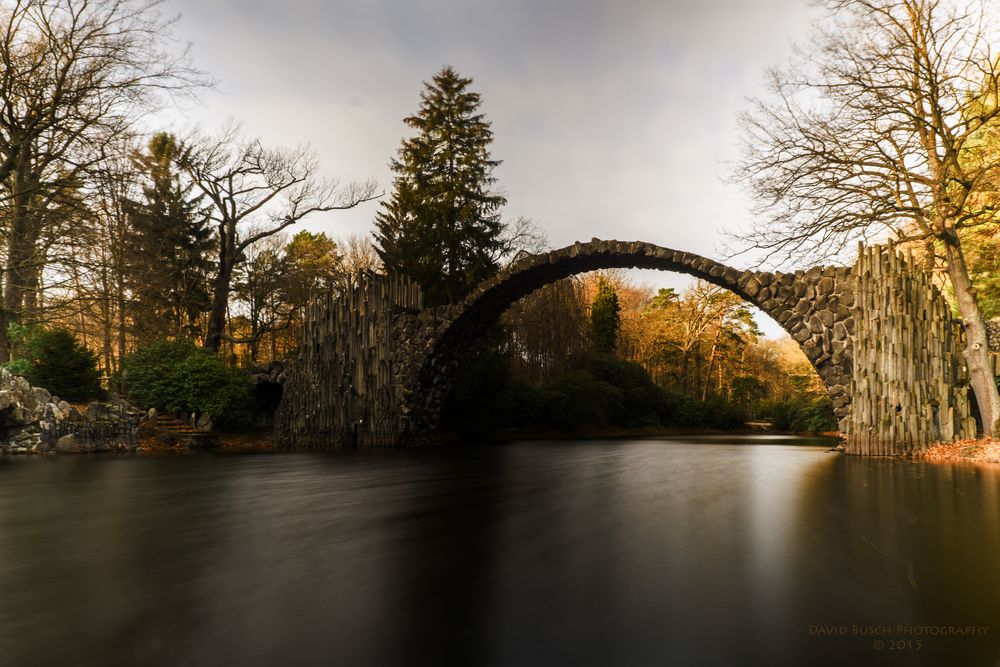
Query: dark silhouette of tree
171	240
442	226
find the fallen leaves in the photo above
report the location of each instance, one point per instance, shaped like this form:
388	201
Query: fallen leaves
979	451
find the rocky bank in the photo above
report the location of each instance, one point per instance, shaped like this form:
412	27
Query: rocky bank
33	421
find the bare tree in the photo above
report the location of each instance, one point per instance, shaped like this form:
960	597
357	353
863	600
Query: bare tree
548	330
72	74
358	254
114	190
259	279
272	189
878	130
522	236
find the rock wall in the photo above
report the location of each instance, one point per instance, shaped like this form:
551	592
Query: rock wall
342	388
909	387
993	334
32	421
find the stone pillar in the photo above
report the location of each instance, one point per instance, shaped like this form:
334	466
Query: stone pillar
909	387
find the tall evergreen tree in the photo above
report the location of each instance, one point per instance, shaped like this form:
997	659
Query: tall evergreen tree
605	317
171	239
442	226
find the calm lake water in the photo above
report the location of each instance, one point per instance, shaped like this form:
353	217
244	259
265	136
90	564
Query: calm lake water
694	551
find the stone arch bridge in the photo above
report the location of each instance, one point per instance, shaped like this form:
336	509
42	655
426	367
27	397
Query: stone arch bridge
374	364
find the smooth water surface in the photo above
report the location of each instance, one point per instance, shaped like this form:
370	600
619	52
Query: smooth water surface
709	551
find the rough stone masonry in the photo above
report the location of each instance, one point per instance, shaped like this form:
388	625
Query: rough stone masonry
375	365
425	344
813	306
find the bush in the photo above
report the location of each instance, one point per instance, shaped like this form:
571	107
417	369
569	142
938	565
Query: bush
480	400
577	400
603	392
643	402
20	367
55	360
805	413
177	376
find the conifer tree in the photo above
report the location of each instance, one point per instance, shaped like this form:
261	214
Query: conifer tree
605	317
171	238
442	226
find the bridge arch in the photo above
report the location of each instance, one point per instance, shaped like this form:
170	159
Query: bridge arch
813	306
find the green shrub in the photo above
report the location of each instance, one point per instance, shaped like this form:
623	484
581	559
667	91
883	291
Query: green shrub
55	360
804	413
643	402
178	376
577	400
20	367
603	392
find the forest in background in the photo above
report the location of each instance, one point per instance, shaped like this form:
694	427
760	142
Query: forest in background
600	351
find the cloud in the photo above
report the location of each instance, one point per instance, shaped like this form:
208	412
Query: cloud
612	119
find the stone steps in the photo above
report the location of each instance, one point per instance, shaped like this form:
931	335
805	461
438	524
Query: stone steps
170	428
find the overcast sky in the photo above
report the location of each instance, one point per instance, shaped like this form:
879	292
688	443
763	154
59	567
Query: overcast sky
613	119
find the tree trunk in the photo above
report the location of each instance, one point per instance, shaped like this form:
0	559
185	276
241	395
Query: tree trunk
220	302
220	289
711	361
122	305
684	369
977	353
4	340
79	297
18	254
32	298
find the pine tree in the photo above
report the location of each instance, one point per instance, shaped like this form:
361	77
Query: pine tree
171	239
442	226
605	317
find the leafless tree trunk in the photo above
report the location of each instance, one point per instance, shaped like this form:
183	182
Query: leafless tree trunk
72	73
246	184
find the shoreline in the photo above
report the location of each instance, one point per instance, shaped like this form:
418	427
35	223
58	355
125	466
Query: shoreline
982	450
636	432
263	440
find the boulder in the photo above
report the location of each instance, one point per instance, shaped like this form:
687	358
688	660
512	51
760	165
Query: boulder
68	444
52	412
22	415
205	424
41	396
97	412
